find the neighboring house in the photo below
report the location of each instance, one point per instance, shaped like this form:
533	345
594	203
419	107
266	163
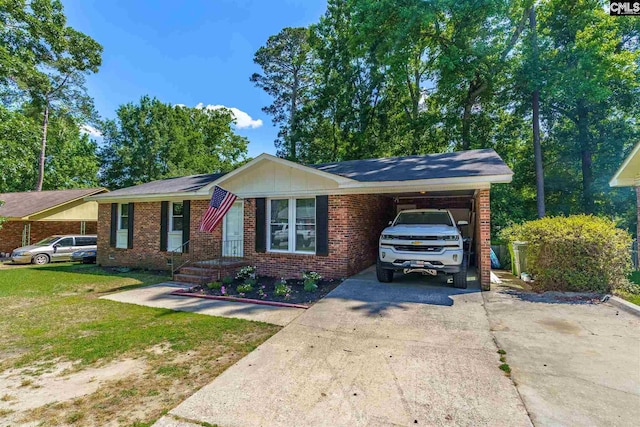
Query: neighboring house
291	218
34	215
628	175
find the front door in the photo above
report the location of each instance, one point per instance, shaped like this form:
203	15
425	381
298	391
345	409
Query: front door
233	235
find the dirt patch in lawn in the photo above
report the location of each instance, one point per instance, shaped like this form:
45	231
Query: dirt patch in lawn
265	289
123	392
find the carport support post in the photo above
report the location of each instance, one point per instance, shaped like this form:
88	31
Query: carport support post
483	225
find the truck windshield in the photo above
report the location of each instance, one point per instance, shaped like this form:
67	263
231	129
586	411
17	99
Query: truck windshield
434	218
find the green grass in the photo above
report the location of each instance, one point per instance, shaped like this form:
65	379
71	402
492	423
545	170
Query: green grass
53	312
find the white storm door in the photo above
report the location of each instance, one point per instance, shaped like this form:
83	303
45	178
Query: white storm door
233	231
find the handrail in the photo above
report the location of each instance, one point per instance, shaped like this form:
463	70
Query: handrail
178	250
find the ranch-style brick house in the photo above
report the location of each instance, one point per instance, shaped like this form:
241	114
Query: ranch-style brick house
34	215
291	217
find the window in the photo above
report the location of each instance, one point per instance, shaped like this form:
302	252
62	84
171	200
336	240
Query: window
67	242
279	225
177	216
123	223
292	225
86	241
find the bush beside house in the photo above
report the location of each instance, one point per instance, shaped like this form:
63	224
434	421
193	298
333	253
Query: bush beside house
580	253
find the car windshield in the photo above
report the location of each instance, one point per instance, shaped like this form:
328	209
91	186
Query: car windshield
47	241
433	218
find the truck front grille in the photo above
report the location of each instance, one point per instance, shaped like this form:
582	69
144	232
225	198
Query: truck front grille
417	248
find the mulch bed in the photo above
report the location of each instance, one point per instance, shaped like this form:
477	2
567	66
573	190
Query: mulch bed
266	284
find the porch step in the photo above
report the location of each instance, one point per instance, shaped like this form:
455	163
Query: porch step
199	271
191	278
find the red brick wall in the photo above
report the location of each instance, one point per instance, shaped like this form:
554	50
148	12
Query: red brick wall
483	238
11	232
355	222
146	238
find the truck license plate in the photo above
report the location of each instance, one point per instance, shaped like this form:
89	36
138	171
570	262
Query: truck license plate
417	264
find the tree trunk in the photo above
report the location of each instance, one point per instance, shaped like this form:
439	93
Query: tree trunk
466	125
292	120
585	157
535	104
43	147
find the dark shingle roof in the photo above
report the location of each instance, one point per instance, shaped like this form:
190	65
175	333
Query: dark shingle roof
430	166
19	205
169	185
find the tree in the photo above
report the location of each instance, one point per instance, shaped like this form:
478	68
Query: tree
592	83
46	62
71	160
152	140
286	76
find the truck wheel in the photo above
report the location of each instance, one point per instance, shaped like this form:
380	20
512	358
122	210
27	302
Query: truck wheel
384	275
460	278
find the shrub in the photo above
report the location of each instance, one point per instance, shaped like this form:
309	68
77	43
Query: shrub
214	285
246	272
244	288
577	253
227	280
311	279
281	288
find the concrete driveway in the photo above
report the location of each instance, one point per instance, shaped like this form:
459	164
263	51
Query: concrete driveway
575	362
412	352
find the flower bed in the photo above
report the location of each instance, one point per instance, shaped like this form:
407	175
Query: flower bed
247	285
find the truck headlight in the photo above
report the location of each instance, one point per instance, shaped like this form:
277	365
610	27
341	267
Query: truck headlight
454	237
387	237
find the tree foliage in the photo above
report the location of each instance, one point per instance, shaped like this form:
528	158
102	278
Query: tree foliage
411	77
152	140
72	161
43	62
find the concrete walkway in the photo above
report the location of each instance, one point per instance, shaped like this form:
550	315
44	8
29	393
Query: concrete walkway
411	352
576	364
159	296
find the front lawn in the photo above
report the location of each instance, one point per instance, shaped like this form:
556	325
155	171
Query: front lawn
138	361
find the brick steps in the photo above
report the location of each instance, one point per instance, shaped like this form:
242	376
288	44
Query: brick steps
205	271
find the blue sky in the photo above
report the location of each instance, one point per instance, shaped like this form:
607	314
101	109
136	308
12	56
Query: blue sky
190	52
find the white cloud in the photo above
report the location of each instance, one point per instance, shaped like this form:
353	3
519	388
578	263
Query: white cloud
91	131
243	120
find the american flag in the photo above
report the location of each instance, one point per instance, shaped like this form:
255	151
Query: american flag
219	205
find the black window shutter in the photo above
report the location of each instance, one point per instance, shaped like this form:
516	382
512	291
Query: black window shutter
130	227
186	224
261	225
114	225
164	219
322	225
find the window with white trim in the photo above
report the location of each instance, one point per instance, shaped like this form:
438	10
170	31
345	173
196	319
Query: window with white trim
292	225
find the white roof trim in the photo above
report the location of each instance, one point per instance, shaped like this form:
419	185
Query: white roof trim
616	181
268	157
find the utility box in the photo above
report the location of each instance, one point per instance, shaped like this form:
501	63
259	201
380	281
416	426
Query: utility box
518	258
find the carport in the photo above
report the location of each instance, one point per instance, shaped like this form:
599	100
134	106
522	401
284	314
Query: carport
460	182
464	206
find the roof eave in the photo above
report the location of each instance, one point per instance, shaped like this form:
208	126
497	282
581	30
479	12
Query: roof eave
97	191
616	180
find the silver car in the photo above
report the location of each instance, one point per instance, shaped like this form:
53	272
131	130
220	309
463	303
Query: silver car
54	248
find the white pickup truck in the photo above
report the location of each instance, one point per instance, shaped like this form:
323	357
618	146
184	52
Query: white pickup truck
422	240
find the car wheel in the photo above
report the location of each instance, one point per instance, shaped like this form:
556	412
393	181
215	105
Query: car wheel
460	278
384	275
41	259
